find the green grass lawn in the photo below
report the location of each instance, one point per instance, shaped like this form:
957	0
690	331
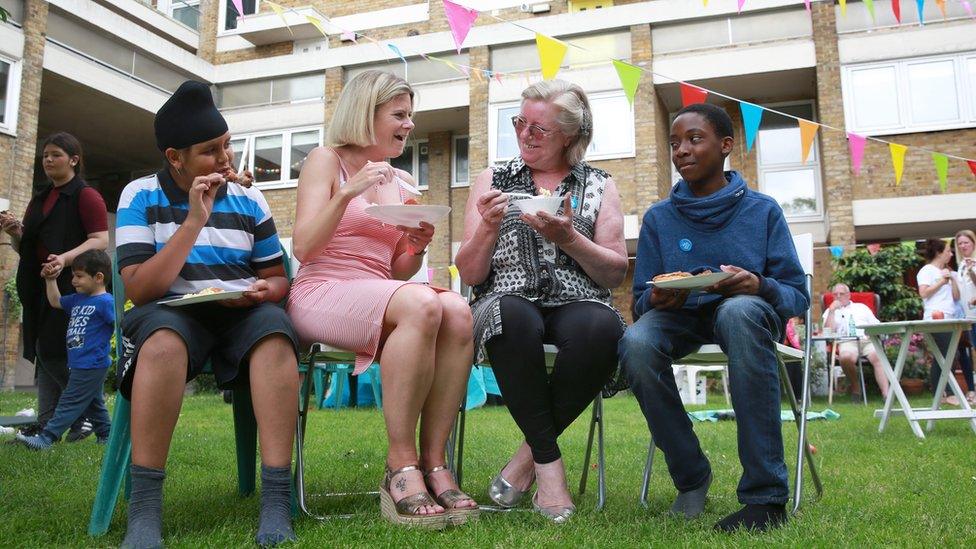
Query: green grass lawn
880	488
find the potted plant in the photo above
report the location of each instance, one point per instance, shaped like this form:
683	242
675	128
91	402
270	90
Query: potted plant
917	363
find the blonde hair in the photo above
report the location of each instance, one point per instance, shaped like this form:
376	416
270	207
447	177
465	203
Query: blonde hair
955	243
575	117
352	123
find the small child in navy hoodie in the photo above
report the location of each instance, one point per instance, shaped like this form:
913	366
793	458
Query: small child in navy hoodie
91	318
714	221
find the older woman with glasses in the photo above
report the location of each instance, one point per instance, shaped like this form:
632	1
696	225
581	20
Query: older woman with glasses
545	279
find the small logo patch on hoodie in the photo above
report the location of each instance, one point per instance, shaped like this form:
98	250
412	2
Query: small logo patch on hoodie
685	245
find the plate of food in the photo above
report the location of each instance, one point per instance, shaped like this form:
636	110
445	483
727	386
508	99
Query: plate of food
204	295
532	204
681	280
408	215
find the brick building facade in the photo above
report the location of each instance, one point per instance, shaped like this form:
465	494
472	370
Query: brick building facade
100	68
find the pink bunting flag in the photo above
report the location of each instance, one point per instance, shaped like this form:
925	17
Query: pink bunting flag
239	6
969	8
741	3
460	19
807	2
692	94
856	144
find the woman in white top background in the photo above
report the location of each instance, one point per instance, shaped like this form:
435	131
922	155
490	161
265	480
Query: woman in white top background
966	260
939	288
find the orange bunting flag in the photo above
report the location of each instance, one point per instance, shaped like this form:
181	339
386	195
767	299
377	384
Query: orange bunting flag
692	94
629	78
942	7
941	162
551	54
898	160
808	131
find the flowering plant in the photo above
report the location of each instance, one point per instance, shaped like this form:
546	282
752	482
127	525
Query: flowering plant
918	361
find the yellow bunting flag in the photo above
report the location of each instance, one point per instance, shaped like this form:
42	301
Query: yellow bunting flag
453	270
843	8
808	131
941	162
317	23
551	54
705	3
898	160
629	78
281	13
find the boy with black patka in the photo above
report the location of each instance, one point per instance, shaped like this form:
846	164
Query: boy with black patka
91	317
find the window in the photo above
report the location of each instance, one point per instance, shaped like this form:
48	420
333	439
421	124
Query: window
911	95
420	71
613	128
795	185
278	90
415	160
459	161
229	15
186	12
594	49
9	94
275	158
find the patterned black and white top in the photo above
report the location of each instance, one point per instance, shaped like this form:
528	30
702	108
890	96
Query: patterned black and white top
528	265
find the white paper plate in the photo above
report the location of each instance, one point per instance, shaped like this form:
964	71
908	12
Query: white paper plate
692	282
536	204
181	301
408	215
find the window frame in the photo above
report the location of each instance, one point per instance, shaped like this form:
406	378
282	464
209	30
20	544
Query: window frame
965	90
593	97
455	182
172	5
286	161
222	29
12	101
416	143
813	162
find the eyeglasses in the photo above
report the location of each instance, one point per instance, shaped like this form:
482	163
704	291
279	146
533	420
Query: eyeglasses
535	131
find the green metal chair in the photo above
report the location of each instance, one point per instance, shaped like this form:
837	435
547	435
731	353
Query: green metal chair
118	451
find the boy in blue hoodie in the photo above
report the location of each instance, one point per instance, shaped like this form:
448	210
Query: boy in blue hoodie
713	221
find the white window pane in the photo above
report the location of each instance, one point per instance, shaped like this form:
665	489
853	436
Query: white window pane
267	158
297	88
875	97
972	83
244	93
423	165
794	190
405	160
237	145
231	15
4	78
506	145
302	143
933	91
612	123
779	146
461	160
187	13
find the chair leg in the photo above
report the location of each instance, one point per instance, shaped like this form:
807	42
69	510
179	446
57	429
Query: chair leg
648	466
589	450
864	390
803	448
339	377
115	467
319	377
374	380
725	386
600	456
246	439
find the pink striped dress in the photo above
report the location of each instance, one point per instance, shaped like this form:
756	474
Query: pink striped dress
340	297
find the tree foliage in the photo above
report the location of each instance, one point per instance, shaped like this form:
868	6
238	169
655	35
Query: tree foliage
884	274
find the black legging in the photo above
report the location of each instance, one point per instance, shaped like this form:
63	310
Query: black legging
543	404
962	353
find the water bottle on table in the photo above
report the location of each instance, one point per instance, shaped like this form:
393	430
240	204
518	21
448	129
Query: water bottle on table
851	328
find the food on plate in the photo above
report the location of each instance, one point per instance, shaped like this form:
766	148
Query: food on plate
206	291
411	202
545	192
671	276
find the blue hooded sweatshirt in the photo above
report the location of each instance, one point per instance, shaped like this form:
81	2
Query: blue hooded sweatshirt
732	226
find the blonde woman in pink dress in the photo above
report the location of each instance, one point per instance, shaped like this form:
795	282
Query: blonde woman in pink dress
351	292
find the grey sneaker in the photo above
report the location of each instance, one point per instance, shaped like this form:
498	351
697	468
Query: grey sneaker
36	442
74	435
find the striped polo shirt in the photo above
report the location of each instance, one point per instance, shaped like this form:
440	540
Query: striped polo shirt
239	238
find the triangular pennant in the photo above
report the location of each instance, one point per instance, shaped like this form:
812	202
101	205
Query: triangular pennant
498	77
856	145
751	118
239	8
969	8
898	160
398	53
807	2
972	166
942	7
281	13
808	131
629	78
551	54
896	9
317	23
741	3
941	162
837	251
692	94
920	5
460	19
705	3
869	4
843	8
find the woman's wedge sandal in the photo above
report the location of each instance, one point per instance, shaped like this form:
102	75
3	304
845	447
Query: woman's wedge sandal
448	499
406	510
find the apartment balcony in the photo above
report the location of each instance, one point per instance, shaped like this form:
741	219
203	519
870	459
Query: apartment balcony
270	28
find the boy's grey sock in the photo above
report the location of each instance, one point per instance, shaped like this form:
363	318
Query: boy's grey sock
145	528
274	525
690	504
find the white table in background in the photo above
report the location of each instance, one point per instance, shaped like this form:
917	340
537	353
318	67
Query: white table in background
906	330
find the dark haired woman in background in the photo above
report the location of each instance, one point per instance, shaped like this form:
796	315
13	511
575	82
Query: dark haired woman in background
939	288
66	218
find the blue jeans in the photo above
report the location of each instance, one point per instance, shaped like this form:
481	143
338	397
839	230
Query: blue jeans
747	329
81	398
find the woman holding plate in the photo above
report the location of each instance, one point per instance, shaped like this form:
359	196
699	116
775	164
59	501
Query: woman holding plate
545	278
352	292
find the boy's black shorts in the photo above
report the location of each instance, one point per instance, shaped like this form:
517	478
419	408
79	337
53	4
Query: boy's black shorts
223	335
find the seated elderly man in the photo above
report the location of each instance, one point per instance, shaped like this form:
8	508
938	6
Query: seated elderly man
838	317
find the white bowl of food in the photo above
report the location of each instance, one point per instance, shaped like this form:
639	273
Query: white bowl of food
536	204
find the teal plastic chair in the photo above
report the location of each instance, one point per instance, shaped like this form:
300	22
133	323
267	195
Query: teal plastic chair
118	451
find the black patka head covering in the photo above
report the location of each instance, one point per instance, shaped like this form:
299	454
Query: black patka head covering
188	117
